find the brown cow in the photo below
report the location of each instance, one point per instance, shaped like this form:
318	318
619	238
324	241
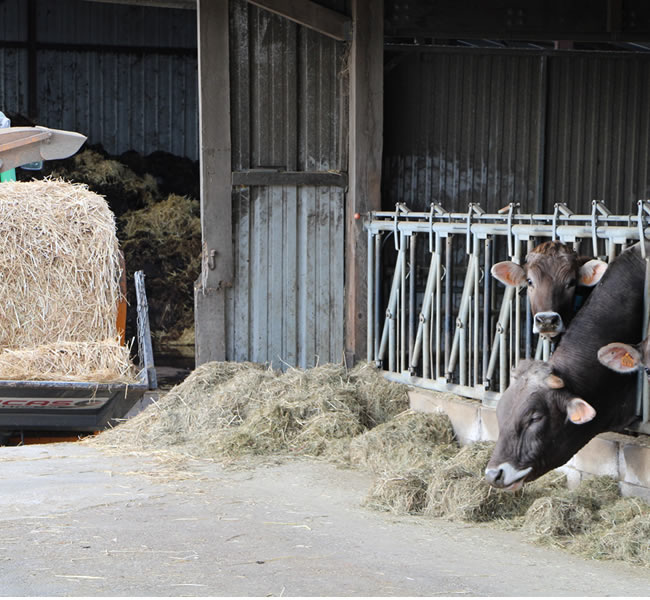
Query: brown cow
551	409
626	358
552	271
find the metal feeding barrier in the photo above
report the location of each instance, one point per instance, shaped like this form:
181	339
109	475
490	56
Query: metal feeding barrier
444	323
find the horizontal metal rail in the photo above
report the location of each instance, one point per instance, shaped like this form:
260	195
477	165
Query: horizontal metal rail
471	331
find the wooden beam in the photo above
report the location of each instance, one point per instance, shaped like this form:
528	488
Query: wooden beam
269	177
216	187
312	15
366	134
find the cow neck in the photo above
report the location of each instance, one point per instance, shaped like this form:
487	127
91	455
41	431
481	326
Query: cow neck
612	313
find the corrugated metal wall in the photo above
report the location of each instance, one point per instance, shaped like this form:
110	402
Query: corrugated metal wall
287	96
125	76
536	128
598	143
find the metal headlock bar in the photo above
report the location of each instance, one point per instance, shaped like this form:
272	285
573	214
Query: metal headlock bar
469	333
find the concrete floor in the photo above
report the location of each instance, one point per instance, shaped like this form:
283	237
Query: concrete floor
75	521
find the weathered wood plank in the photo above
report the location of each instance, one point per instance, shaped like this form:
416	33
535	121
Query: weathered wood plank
216	189
366	132
266	177
311	15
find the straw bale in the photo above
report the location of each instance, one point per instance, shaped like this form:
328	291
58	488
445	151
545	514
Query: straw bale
59	263
408	441
103	362
403	492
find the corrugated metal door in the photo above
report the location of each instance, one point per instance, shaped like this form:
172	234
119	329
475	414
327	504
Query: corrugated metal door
286	305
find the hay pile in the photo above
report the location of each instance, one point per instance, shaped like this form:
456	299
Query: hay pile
238	409
233	412
59	274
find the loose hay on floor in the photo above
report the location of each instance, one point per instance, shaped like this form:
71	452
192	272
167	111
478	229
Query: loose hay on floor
235	409
409	440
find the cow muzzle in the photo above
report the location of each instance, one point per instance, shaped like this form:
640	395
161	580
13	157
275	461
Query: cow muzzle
548	324
506	477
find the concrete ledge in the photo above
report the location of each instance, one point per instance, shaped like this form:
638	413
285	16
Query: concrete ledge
624	457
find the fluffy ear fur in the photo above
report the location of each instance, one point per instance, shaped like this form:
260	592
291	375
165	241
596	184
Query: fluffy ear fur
554	382
621	358
509	273
591	272
579	411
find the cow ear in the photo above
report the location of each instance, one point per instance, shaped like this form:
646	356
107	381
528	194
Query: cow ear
554	382
509	273
591	272
621	358
579	411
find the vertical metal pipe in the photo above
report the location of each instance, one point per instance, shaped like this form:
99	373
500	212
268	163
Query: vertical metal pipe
402	304
448	303
529	317
378	246
412	299
371	296
477	312
486	303
438	335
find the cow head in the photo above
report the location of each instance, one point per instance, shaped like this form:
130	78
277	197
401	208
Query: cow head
541	426
626	358
552	272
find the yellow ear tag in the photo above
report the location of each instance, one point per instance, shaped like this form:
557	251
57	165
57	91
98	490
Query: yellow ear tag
627	360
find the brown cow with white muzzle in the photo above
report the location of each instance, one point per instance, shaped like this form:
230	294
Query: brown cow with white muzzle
552	272
552	409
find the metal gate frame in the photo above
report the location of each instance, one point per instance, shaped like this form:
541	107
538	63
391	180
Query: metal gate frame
473	358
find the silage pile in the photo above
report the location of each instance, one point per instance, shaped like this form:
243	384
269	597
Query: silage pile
233	411
59	284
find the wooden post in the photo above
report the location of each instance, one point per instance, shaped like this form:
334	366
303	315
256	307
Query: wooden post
216	186
366	140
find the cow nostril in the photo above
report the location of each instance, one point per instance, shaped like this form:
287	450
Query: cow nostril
494	477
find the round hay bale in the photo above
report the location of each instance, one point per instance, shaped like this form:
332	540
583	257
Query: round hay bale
554	517
400	493
408	441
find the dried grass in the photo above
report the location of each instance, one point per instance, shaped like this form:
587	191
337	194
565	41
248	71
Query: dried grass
231	411
103	362
59	268
237	409
410	440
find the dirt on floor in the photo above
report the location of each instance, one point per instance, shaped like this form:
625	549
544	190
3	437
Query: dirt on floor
77	520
